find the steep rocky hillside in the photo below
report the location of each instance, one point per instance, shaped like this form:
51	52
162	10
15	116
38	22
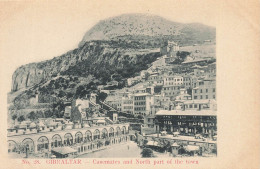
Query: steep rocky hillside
138	26
98	58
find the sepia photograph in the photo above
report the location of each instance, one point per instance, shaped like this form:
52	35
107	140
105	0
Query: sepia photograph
90	83
137	85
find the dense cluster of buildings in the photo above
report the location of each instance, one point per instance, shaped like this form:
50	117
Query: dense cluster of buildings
179	101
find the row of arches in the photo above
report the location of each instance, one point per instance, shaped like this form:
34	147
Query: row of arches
56	141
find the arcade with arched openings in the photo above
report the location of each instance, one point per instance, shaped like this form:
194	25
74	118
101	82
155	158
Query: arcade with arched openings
68	139
96	134
12	146
111	132
78	137
56	141
104	134
42	143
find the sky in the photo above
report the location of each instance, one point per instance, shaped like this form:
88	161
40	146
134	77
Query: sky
37	31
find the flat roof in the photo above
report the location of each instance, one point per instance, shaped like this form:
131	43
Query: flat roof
199	101
196	60
186	113
141	94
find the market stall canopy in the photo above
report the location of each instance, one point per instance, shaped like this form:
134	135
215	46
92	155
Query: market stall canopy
101	121
192	148
176	133
53	156
152	143
64	150
175	145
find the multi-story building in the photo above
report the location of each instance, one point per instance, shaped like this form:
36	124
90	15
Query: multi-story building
164	102
183	95
187	81
199	105
170	91
156	78
173	80
204	89
195	62
128	105
143	103
188	122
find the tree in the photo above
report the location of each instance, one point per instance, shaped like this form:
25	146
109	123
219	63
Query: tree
147	152
21	118
32	116
102	96
89	112
14	117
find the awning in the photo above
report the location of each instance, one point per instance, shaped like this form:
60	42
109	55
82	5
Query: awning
153	143
192	148
101	121
176	133
175	145
64	150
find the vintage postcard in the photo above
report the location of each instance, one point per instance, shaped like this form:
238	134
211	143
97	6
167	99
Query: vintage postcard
129	84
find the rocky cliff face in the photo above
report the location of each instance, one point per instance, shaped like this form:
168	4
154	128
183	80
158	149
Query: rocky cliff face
34	73
97	58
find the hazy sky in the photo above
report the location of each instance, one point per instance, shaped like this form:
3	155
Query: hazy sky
36	31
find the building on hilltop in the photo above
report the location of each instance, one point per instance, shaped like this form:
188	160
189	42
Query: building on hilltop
169	48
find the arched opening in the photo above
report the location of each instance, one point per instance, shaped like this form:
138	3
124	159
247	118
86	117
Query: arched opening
42	143
78	137
123	130
104	133
68	139
56	141
88	136
118	131
28	144
12	146
96	134
111	132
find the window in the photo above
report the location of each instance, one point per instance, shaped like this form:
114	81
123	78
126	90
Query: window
207	97
195	91
214	90
195	106
206	90
214	97
201	97
195	97
201	91
190	106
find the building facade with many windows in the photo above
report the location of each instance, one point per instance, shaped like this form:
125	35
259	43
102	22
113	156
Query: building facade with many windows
188	122
205	89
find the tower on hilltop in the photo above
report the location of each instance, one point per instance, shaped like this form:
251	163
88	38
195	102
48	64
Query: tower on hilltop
169	48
